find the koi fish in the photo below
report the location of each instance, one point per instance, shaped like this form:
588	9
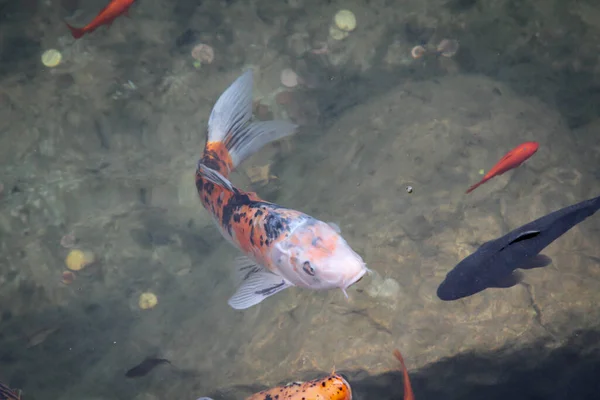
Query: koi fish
408	392
332	387
108	14
7	393
282	247
511	160
495	263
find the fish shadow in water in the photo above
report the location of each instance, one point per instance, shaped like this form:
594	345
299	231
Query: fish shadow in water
540	370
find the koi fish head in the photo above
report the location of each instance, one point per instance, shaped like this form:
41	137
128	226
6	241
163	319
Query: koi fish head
315	256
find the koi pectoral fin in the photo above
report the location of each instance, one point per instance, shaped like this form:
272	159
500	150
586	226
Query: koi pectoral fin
345	294
214	176
507	281
244	267
539	261
257	284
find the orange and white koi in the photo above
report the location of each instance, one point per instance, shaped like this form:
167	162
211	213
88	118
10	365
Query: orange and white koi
282	247
332	387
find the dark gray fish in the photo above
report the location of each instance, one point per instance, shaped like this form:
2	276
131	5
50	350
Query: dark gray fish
145	366
495	262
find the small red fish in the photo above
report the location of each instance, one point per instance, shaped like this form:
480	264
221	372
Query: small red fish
408	392
108	14
511	160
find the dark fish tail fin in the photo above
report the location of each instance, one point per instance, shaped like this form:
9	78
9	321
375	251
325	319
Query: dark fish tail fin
76	32
230	132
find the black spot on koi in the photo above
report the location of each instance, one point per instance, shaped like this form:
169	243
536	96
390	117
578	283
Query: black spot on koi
209	187
275	225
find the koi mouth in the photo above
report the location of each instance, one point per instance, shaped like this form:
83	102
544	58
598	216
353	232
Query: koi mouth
358	278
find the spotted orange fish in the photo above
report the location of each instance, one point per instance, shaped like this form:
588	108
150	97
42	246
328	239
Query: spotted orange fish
332	387
408	392
282	247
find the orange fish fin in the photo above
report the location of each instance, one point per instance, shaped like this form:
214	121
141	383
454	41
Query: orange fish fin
76	32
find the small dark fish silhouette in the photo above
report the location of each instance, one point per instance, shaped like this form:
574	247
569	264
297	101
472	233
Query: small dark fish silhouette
495	262
145	366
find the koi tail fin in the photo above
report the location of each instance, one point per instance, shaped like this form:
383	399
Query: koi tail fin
229	122
76	32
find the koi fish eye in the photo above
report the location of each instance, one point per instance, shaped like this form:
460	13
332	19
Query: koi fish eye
308	268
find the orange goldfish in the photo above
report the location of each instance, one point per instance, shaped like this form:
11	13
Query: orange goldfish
105	17
511	160
282	247
332	387
408	392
